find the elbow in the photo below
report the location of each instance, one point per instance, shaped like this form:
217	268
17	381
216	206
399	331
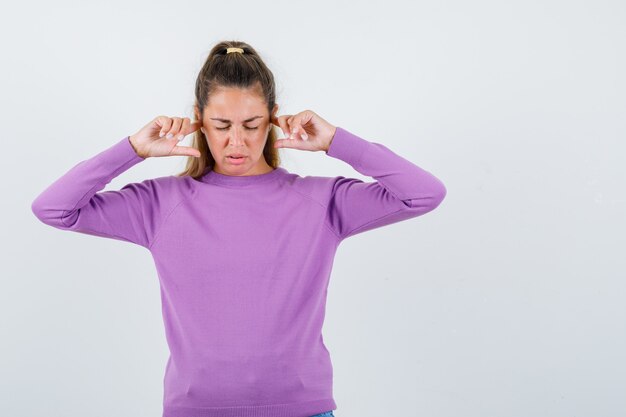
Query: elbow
38	209
440	195
47	214
427	201
437	193
437	197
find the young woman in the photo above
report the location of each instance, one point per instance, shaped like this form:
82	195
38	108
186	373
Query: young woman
243	248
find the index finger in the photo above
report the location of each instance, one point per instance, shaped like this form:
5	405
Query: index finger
282	123
194	125
190	126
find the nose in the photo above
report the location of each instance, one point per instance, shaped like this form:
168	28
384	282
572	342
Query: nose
237	139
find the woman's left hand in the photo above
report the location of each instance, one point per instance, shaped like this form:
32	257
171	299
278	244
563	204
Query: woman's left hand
306	131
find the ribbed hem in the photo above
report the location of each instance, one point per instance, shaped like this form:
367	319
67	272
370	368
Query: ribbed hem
300	409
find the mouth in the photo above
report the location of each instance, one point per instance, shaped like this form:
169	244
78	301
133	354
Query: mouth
236	159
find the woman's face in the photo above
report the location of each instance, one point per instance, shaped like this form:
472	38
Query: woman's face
236	123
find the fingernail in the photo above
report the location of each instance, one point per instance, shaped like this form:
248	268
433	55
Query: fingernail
169	136
161	134
181	137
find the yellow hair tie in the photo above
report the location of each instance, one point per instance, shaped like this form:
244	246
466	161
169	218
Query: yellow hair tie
229	50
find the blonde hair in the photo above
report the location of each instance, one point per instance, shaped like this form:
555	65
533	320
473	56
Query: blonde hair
223	69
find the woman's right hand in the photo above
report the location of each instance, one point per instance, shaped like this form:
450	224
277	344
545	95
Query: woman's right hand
160	137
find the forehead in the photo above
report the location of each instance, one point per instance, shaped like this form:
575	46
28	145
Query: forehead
235	104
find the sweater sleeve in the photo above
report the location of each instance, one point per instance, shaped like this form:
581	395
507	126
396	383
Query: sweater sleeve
73	202
402	190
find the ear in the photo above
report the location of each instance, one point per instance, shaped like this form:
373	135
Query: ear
196	113
273	114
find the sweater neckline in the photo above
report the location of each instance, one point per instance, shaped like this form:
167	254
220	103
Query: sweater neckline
213	177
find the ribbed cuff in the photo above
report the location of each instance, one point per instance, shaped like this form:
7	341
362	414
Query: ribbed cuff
347	146
130	149
121	155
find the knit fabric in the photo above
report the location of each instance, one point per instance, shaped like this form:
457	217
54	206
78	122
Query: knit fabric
243	264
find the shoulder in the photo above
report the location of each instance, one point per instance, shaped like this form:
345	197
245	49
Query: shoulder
170	182
318	188
165	191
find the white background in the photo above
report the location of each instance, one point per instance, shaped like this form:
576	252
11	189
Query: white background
507	300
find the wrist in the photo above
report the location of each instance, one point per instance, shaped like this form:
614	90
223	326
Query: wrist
131	140
331	139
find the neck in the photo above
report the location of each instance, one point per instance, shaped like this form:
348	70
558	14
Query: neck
214	177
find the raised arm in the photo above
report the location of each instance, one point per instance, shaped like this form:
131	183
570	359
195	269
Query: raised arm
402	190
73	202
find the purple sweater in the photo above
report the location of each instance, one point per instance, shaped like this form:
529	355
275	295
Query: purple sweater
243	264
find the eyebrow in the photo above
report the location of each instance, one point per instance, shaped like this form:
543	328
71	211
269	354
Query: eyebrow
227	121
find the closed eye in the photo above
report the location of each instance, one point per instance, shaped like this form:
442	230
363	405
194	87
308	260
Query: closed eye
249	128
